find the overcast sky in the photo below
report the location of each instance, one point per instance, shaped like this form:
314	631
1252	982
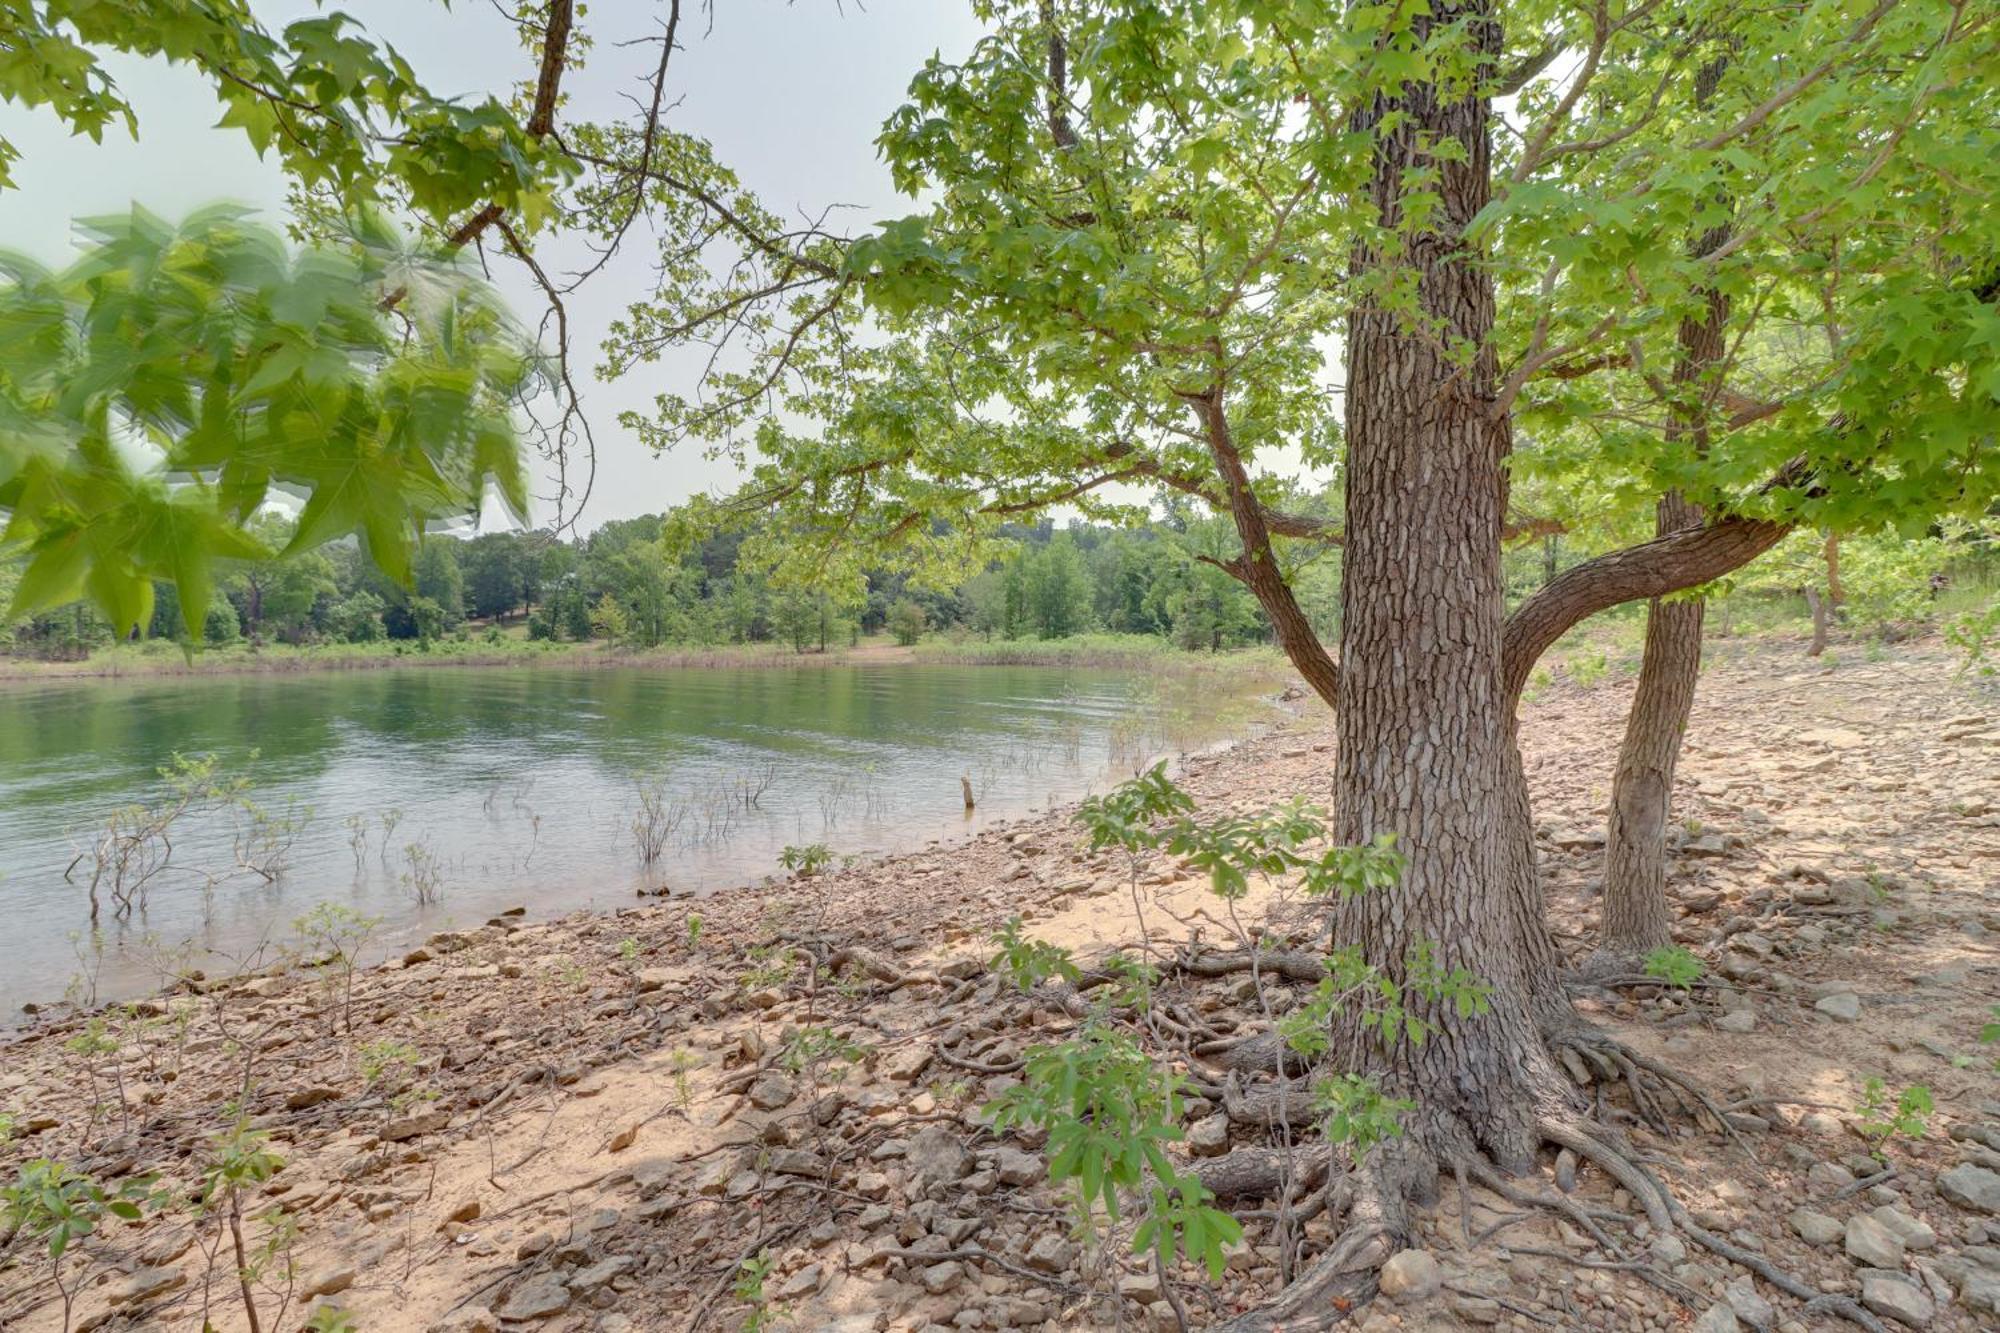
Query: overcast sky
792	96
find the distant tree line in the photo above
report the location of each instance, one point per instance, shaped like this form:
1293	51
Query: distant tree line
620	585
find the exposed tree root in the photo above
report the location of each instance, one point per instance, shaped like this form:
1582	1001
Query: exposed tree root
1262	1172
1344	1276
1592	1057
1375	1198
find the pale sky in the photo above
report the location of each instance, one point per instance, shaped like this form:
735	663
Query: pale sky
791	94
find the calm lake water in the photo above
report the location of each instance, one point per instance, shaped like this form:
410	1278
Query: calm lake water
520	786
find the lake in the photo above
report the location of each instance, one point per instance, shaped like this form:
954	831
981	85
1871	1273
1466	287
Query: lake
488	788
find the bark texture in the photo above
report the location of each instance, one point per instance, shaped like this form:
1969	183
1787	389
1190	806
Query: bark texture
1635	920
1425	748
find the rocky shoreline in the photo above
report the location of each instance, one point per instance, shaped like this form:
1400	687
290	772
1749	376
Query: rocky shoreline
696	1113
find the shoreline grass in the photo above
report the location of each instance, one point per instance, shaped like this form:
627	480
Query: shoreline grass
161	659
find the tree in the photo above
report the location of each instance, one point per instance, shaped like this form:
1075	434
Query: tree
436	576
1056	589
1144	223
1635	921
907	621
216	312
499	574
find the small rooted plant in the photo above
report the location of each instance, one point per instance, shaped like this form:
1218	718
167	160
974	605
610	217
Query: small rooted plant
424	879
655	822
806	861
54	1204
331	938
749	1289
1029	962
98	1049
1882	1120
240	1161
1676	966
387	1059
1108	1112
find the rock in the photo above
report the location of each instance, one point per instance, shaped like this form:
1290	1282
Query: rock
1972	1187
1476	1309
797	1162
806	1282
328	1283
1895	1298
1411	1275
1052	1254
1717	1318
655	978
1019	1168
310	1096
602	1272
1742	1297
771	1091
1828	1177
1141	1287
940	1278
1209	1137
1815	1228
1872	1244
1737	1020
936	1157
147	1283
409	1127
623	1139
906	1064
1916	1233
537	1298
1841	1007
472	1319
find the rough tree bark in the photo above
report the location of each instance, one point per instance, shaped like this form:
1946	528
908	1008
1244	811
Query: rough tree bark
1423	738
1635	919
1425	745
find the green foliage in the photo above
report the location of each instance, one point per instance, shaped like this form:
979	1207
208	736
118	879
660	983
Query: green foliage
1675	965
907	621
1882	1119
244	366
1355	1111
1028	962
749	1289
1125	817
387	1058
55	1204
820	1050
332	1319
1108	1111
345	115
808	860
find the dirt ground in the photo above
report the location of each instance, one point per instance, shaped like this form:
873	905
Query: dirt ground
764	1105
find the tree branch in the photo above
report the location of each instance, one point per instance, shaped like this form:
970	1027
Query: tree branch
1668	564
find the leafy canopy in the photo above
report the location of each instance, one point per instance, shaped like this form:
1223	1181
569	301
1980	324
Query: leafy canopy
346	115
156	393
1139	272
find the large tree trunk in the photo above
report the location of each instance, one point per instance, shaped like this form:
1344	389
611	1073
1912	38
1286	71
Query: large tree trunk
1425	747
